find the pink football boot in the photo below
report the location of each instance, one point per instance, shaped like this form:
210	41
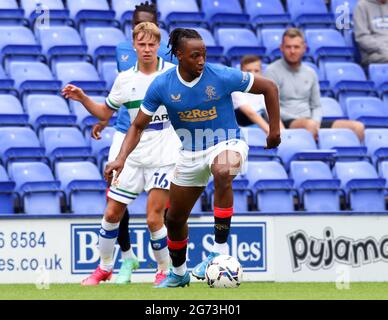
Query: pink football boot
96	277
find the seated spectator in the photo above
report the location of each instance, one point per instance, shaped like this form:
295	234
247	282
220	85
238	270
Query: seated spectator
300	105
250	108
370	19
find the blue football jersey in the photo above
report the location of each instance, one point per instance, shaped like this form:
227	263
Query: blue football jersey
126	58
201	111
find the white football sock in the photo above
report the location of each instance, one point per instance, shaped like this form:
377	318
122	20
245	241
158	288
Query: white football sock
181	270
221	248
160	249
106	243
129	254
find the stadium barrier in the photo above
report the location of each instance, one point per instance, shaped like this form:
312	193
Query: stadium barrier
329	248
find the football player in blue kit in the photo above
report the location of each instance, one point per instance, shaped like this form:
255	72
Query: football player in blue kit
197	96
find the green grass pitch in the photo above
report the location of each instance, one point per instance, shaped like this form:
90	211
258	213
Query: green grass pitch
198	291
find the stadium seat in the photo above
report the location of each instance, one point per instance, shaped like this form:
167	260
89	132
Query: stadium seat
331	109
224	13
376	140
82	74
18	41
8	4
19	144
265	13
343	8
11	14
7	85
102	42
91	13
32	76
83	185
324	85
108	72
365	190
369	110
40	193
84	119
347	79
7	193
383	170
63	143
378	73
318	191
181	13
257	141
299	144
124	10
328	45
214	53
273	189
48	110
271	39
11	111
305	13
345	142
100	148
61	43
57	15
238	42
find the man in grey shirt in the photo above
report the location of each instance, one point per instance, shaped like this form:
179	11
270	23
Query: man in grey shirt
300	105
371	30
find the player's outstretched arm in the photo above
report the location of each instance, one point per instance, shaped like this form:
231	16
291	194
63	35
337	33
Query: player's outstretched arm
270	91
130	142
99	110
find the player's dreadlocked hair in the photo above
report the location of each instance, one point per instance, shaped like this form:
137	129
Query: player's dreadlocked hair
147	7
176	37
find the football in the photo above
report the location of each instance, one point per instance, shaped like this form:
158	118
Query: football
224	272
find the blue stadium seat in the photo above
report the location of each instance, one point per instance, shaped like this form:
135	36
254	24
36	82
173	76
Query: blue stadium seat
299	144
264	13
57	15
11	111
102	42
319	192
91	13
369	110
214	53
257	141
378	73
61	43
19	144
32	76
238	42
108	72
272	39
324	85
84	119
224	13
139	205
9	4
310	13
343	7
345	142
18	42
83	185
63	143
328	45
48	110
273	189
376	140
11	14
40	193
347	79
181	13
100	148
82	74
124	12
7	85
365	190
7	193
331	109
384	171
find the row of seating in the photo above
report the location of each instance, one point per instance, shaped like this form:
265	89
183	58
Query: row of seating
210	12
77	187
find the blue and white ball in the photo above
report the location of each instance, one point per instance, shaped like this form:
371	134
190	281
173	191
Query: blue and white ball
224	272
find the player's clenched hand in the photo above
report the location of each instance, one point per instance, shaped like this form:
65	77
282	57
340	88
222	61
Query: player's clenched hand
116	166
73	92
96	130
273	140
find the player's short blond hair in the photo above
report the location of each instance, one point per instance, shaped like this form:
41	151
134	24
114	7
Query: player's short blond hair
293	33
147	29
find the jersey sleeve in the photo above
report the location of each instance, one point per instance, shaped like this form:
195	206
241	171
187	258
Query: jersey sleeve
236	80
115	99
152	99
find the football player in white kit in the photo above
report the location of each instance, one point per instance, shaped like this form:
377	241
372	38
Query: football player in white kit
150	166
